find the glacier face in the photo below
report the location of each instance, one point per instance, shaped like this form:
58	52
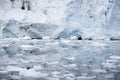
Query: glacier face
48	11
93	18
15	29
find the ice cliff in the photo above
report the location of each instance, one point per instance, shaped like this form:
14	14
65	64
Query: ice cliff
64	18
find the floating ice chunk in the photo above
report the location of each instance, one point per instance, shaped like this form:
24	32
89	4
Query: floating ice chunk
70	58
25	38
111	61
52	63
109	65
55	74
32	73
69	78
98	44
73	38
12	62
24	61
85	77
14	68
26	47
115	57
99	70
69	75
46	38
65	41
53	79
37	68
52	44
70	65
27	73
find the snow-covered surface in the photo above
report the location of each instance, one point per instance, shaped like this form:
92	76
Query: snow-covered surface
97	19
39	40
48	11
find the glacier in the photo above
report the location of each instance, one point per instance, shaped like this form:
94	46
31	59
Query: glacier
15	29
90	18
59	40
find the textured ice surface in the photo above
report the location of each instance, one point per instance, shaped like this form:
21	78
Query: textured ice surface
98	19
15	29
59	60
38	40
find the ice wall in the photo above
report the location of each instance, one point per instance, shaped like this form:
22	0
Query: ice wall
114	21
15	29
41	11
93	18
